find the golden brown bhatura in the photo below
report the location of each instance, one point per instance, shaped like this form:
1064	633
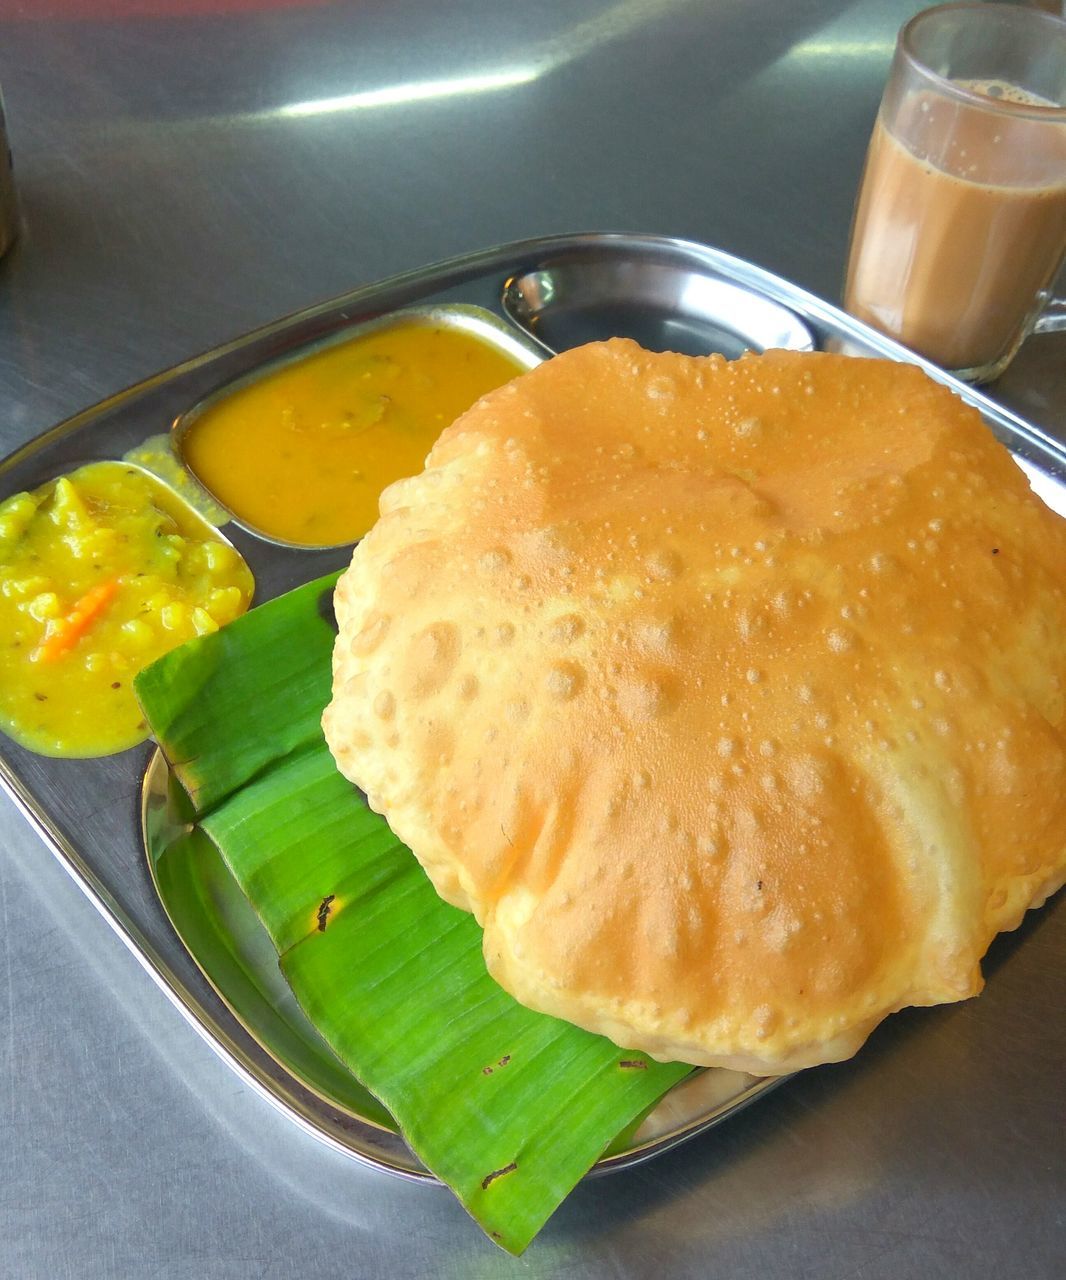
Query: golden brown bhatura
728	696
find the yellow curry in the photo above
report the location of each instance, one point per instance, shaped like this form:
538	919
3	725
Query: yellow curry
303	453
101	572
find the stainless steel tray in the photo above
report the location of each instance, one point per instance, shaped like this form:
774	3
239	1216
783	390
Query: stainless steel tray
560	290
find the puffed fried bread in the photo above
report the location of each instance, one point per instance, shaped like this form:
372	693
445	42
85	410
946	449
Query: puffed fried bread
728	696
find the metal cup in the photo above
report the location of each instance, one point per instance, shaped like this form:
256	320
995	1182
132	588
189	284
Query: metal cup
8	203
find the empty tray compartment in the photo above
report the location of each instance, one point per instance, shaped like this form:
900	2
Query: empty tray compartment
663	305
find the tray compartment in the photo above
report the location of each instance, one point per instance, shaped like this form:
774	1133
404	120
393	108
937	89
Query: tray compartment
219	929
476	322
663	305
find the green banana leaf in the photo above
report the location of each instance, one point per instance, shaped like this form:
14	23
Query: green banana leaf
224	709
508	1107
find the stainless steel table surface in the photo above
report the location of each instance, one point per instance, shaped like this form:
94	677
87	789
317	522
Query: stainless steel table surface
189	170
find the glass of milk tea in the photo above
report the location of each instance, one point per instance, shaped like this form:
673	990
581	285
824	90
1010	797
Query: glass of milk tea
960	225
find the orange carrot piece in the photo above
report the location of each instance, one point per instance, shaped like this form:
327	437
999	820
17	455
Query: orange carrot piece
77	622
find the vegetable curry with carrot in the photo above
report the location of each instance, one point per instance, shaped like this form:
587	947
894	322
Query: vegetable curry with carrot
101	572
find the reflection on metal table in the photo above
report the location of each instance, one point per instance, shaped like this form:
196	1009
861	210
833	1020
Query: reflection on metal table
187	176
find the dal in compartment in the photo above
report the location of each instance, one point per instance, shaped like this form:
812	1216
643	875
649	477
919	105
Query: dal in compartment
301	452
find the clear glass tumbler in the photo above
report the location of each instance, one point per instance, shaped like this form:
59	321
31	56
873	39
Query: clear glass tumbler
960	225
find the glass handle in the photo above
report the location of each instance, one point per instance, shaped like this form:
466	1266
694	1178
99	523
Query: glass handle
1053	317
